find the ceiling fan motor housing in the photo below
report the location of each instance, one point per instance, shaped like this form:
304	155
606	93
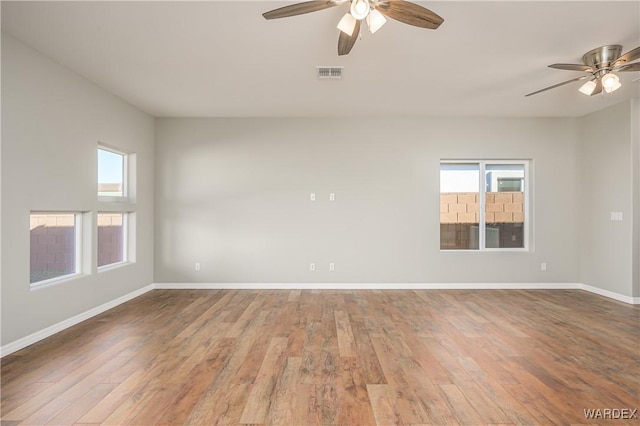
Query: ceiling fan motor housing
603	57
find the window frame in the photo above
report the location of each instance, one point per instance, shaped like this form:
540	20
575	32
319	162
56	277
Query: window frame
125	205
482	225
125	174
125	242
78	251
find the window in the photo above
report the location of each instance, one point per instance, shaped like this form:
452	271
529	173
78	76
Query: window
55	246
459	206
510	185
112	173
116	192
483	205
112	238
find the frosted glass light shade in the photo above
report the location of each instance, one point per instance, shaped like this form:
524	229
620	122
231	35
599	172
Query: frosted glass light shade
613	88
360	9
610	83
588	87
347	24
375	20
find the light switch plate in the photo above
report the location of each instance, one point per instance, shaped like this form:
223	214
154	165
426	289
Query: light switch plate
616	215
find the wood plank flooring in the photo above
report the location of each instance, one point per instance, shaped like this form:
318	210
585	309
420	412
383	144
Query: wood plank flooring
334	357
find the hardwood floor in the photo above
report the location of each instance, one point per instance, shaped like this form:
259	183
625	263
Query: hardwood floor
334	357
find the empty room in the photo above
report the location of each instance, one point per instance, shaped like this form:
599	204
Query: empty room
334	212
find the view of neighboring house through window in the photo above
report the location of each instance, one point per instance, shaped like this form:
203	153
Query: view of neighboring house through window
112	172
504	205
112	242
483	205
459	206
54	246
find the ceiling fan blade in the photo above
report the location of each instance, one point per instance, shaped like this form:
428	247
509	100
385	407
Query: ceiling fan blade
346	41
598	87
629	67
409	13
630	56
559	84
300	9
572	67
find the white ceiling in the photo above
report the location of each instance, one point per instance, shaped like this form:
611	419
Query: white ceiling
221	58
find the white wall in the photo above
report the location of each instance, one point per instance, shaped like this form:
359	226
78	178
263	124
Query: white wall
606	247
635	167
233	195
52	120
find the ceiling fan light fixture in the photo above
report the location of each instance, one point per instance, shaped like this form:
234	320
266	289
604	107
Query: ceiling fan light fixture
403	11
611	82
360	9
588	87
375	20
613	88
347	24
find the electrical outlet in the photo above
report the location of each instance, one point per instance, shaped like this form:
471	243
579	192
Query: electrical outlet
543	266
312	267
197	266
332	266
332	196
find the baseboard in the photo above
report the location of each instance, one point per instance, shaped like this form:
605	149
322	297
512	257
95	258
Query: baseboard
398	286
366	286
62	325
611	295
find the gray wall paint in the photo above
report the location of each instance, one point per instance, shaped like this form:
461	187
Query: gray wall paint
606	176
635	167
52	120
233	194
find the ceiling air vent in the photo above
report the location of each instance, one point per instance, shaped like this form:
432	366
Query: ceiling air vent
329	73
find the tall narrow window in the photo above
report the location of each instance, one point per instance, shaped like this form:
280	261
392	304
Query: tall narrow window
504	205
54	246
459	201
112	173
116	187
112	238
483	205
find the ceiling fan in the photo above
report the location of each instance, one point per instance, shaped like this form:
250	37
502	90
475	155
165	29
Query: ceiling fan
600	65
372	11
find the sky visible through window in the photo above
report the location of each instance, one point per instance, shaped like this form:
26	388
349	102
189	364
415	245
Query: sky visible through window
465	177
459	178
109	167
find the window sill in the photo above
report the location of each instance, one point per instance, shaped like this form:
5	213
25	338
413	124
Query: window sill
488	250
54	281
114	199
111	266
